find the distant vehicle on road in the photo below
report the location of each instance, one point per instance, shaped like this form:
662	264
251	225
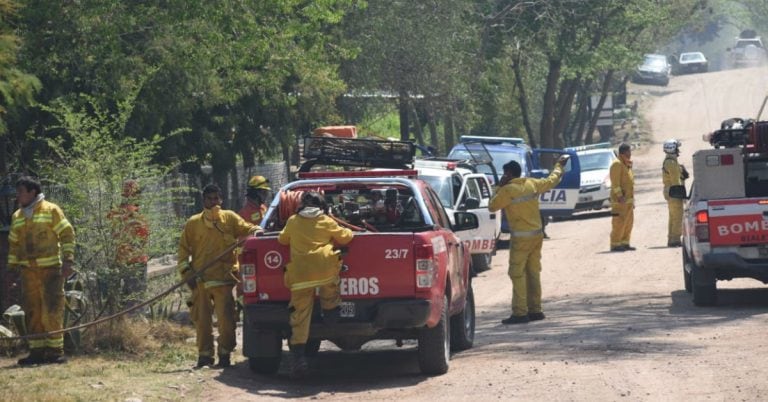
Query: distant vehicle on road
691	62
748	50
655	69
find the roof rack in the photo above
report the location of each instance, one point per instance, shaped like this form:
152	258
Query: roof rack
357	152
599	145
753	137
492	140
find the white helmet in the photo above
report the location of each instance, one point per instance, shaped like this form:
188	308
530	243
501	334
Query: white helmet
671	146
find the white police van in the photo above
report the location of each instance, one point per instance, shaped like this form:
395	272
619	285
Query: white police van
461	189
595	188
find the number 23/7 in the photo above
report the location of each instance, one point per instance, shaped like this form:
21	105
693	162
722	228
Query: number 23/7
395	253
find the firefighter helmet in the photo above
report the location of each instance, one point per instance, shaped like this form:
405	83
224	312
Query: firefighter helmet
259	182
672	146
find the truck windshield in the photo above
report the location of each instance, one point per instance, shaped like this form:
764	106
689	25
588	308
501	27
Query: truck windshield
596	161
443	187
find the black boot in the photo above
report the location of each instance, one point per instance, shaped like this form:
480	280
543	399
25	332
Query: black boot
203	361
55	356
224	361
36	356
332	316
300	367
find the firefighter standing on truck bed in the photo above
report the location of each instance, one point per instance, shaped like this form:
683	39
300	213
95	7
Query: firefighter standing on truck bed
519	197
205	236
622	199
315	264
673	175
41	244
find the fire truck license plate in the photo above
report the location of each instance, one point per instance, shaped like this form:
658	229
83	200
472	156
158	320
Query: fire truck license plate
347	309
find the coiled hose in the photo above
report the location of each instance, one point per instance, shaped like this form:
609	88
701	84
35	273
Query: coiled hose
290	201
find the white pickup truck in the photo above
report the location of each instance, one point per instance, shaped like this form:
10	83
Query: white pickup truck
725	224
461	189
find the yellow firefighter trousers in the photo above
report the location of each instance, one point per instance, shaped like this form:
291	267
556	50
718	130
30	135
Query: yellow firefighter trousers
301	305
675	228
43	303
525	272
623	217
218	300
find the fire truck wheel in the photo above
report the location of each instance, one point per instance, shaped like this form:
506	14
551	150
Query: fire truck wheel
703	294
463	324
481	262
435	345
271	349
686	275
312	348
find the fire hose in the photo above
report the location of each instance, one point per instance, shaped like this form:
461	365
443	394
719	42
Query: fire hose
197	274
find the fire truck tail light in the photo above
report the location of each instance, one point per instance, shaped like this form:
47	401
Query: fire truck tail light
702	233
702	217
424	266
726	160
249	278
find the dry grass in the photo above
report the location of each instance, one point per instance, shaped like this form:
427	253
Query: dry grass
131	358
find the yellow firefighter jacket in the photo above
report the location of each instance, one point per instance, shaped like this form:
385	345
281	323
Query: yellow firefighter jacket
203	239
622	181
672	174
314	262
520	200
38	241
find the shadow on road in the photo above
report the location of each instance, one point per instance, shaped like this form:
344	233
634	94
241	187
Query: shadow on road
332	373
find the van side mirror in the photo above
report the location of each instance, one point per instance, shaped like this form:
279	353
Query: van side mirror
464	221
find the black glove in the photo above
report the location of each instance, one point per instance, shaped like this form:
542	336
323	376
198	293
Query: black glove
684	172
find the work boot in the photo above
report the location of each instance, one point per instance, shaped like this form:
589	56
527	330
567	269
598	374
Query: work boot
629	248
673	243
203	361
516	319
332	316
536	316
618	248
36	356
224	361
54	356
299	367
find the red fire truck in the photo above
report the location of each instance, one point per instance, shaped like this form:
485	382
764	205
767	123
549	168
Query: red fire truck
725	227
405	276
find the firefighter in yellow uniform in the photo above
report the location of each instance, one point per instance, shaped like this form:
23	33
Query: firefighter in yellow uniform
315	264
42	245
622	199
205	236
519	198
256	196
673	174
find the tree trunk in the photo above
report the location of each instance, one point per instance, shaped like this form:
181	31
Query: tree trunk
522	100
449	133
564	104
432	127
416	124
403	108
596	113
546	130
583	116
3	156
236	196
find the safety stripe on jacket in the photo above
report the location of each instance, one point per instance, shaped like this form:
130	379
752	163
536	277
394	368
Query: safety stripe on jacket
524	198
529	233
61	226
312	284
40	262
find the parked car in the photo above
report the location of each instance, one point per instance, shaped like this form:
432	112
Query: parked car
595	189
459	188
655	69
691	62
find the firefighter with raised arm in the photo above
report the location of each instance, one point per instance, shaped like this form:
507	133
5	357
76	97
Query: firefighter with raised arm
42	245
622	199
519	198
205	237
315	264
674	175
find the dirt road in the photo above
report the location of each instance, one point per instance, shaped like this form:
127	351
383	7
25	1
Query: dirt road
619	325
